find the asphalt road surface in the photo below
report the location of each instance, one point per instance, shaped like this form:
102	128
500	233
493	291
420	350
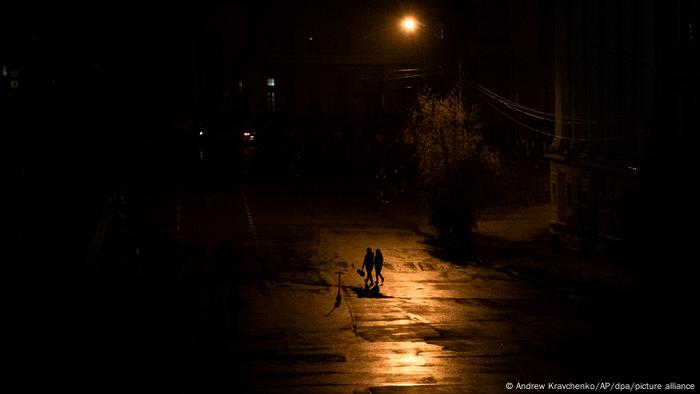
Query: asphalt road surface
219	281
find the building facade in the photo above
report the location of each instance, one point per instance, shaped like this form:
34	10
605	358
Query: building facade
331	84
617	114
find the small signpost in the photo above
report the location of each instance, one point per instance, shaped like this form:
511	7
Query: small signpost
338	297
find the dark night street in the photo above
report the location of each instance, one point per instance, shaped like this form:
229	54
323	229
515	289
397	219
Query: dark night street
260	317
192	189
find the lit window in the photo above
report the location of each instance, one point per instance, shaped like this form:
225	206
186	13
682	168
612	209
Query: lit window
271	82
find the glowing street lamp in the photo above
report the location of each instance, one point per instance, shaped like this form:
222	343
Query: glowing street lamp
409	24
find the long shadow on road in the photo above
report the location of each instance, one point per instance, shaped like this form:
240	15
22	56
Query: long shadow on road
362	292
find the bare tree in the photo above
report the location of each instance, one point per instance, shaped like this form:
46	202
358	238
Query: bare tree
455	166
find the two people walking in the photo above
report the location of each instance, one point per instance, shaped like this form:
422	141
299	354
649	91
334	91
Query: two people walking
373	261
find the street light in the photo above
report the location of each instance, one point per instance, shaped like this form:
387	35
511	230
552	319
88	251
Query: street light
409	24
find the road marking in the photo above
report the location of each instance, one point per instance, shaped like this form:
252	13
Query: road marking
259	260
251	221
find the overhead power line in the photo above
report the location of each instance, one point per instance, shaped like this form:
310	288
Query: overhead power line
541	115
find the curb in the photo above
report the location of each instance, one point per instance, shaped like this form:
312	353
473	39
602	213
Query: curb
571	293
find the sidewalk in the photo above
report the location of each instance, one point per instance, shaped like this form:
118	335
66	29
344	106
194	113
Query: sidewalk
516	240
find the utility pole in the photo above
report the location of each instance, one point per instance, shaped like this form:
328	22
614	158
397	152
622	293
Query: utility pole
459	74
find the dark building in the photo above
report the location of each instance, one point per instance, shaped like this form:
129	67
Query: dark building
335	81
312	79
625	99
507	53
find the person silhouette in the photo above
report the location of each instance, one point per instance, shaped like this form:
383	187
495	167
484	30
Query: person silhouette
378	262
368	263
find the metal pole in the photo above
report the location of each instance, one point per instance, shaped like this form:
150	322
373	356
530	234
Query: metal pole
338	297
